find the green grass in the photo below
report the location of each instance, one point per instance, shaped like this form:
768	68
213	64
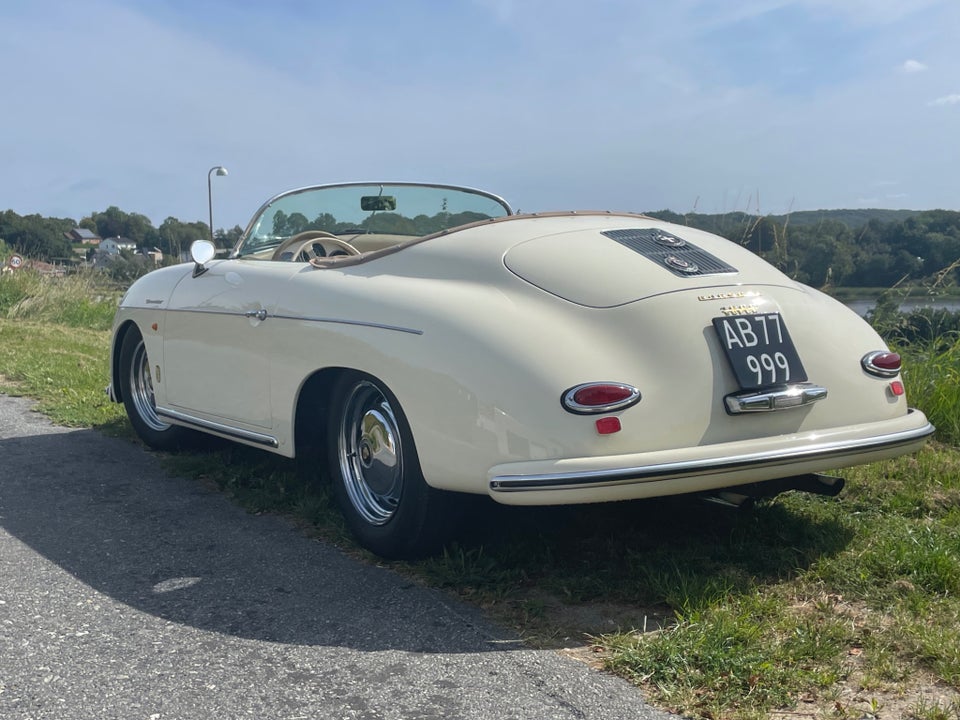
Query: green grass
880	584
80	300
748	654
932	376
65	368
845	607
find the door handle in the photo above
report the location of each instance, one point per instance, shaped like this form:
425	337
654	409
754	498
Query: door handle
260	314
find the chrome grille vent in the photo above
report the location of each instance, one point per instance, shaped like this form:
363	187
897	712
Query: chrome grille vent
679	256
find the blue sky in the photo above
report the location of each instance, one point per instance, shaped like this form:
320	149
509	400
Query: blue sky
713	105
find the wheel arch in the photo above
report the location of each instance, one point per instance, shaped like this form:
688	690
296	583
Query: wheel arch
118	337
313	402
310	409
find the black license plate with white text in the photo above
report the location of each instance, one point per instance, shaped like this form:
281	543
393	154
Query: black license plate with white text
760	350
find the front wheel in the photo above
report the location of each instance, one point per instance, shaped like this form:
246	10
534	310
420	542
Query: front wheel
136	387
376	473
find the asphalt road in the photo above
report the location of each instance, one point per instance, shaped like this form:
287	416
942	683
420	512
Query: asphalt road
127	593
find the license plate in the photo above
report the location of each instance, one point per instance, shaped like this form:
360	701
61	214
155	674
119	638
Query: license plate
760	350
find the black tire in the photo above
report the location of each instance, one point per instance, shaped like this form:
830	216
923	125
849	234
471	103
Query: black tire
136	387
376	474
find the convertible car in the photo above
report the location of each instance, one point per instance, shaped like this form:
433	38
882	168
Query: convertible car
422	341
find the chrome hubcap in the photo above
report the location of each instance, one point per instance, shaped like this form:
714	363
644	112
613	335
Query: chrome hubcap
371	461
141	390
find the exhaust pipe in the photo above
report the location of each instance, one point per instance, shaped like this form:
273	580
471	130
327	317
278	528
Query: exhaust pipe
743	496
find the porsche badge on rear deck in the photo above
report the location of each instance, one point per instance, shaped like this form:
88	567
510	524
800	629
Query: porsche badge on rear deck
727	296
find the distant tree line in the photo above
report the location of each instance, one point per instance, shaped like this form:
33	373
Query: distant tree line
821	249
383	222
45	238
831	248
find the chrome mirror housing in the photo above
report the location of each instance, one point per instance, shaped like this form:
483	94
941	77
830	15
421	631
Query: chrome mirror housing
201	251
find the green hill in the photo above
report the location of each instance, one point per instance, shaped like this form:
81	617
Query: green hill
853	219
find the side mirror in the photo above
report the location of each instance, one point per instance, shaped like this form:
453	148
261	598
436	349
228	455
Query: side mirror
201	251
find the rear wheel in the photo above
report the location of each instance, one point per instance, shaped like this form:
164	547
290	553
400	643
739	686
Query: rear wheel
136	386
376	473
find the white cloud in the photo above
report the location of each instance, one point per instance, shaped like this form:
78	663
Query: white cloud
952	99
610	104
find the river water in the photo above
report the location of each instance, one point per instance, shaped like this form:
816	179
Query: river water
908	305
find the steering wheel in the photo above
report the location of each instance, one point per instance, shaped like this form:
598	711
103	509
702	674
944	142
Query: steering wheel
309	244
331	247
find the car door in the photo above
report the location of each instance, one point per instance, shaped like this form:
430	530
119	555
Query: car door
215	347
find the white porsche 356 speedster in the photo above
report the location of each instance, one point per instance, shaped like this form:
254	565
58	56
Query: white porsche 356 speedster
423	341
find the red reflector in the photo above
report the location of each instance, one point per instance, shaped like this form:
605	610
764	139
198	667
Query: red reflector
608	425
896	387
595	395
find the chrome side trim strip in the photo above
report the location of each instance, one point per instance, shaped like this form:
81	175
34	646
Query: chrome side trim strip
249	436
707	466
360	323
199	311
263	315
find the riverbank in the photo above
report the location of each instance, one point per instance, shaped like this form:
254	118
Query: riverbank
845	294
909	299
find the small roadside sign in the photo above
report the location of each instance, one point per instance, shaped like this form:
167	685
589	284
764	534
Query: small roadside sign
15	261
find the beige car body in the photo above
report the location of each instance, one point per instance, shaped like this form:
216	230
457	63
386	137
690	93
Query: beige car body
478	331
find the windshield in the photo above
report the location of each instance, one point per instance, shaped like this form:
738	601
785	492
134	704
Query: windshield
388	212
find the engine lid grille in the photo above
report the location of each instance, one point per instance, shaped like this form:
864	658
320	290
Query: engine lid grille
679	256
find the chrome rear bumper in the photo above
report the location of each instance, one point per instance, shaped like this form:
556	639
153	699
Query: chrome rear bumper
749	466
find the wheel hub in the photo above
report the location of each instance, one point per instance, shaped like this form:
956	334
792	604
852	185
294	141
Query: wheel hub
378	454
370	454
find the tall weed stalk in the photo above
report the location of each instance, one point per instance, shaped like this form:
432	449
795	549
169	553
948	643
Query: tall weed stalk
932	375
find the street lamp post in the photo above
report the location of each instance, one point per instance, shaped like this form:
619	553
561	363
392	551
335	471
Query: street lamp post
221	171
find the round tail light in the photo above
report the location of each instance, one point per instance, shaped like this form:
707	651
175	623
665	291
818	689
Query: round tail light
881	363
591	398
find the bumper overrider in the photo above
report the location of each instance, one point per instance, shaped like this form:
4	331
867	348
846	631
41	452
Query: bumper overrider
704	468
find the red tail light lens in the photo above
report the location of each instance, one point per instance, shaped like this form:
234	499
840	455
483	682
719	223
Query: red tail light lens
591	398
881	363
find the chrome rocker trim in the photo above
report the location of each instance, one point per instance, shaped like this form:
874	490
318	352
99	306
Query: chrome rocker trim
707	466
248	435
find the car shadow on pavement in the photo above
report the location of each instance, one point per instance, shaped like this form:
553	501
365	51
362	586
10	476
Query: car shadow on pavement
104	511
